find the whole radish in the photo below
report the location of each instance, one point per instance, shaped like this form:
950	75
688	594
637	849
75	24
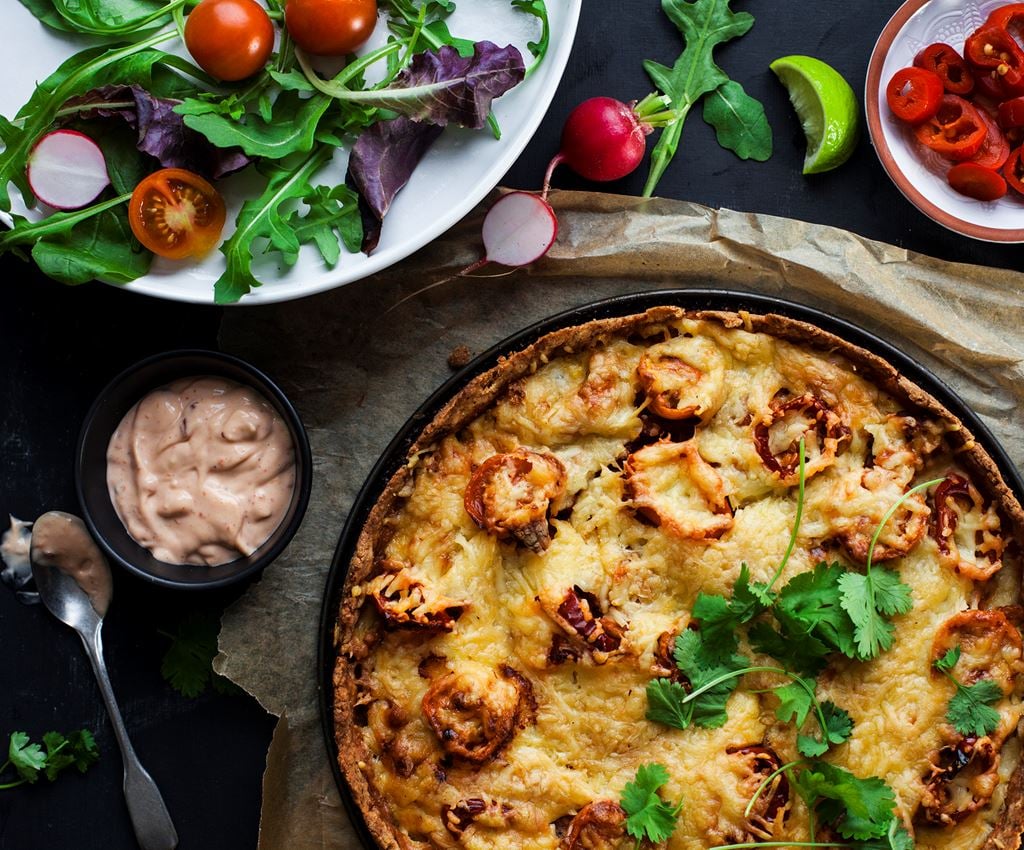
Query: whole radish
605	139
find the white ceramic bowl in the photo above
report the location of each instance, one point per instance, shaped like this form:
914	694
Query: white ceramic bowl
920	174
454	176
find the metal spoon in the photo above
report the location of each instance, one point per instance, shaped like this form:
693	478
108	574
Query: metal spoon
74	583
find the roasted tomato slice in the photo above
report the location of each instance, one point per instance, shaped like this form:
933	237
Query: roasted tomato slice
960	780
914	94
481	811
476	711
600	825
968	534
406	602
753	764
956	130
777	436
509	496
944	61
976	181
992	48
995	149
1013	171
675	488
990	647
901	444
580	615
683	378
176	214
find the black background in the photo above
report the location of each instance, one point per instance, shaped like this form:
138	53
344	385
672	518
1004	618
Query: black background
59	346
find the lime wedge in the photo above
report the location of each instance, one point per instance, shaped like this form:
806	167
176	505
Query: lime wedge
827	108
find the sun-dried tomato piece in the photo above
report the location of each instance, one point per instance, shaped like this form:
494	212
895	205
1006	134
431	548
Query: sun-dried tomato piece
901	444
778	431
476	711
581	612
664	666
861	500
754	764
683	377
562	649
480	811
990	647
509	495
961	779
675	488
407	603
968	533
600	825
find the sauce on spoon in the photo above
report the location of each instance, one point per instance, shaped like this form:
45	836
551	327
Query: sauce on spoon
62	542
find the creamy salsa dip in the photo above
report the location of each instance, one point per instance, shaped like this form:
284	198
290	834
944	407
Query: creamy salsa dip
61	541
201	471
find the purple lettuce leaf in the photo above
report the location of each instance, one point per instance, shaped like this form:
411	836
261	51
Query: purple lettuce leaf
161	132
438	88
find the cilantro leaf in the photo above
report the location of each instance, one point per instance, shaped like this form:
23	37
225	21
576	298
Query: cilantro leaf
795	702
77	750
720	617
838	728
861	809
665	704
810	607
188	663
873	633
892	596
647	815
703	663
26	758
970	709
949	660
805	656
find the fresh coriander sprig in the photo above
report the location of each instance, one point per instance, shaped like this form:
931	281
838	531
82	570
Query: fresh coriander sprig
970	710
795	532
647	815
56	753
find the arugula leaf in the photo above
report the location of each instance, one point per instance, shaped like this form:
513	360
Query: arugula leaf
45	13
539	48
647	815
25	757
113	17
860	808
739	121
332	219
704	25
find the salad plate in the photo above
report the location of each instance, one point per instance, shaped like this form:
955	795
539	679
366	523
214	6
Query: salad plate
455	175
918	173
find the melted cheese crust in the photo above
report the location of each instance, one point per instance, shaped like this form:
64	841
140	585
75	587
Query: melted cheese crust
589	733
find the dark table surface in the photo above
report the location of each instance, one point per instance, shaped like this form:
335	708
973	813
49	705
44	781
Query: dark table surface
58	346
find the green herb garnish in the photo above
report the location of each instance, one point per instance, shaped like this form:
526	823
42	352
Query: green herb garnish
970	710
647	815
56	753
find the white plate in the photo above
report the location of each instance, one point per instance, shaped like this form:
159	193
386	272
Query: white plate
918	173
454	176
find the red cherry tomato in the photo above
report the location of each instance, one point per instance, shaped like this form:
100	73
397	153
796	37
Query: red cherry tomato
330	27
229	39
1013	171
950	67
990	48
976	181
956	130
995	149
176	214
914	94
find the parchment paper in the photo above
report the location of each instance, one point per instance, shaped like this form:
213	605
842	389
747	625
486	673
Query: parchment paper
357	362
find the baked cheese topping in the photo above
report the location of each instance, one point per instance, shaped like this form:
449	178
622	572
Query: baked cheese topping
542	557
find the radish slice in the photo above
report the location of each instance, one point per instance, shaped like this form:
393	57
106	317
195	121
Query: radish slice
519	229
66	170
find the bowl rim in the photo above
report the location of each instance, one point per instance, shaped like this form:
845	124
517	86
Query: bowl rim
880	143
303	467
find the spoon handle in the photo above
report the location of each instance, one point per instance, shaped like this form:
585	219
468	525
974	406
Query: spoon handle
150	818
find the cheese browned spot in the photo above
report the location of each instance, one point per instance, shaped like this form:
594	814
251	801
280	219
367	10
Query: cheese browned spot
778	432
684	377
502	730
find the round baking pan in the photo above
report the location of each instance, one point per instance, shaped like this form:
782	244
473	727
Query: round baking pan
689	299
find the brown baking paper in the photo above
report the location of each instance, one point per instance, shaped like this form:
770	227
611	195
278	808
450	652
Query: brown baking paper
359	360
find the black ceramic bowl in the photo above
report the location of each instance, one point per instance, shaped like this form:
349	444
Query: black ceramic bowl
119	396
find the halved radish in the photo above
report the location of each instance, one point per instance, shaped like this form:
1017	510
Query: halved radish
67	170
518	229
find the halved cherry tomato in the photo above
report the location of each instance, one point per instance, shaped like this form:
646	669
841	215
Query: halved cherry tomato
330	27
950	67
976	181
914	94
1011	113
995	149
229	39
956	130
176	214
1013	171
990	48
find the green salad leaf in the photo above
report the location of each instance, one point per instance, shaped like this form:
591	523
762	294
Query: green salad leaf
739	121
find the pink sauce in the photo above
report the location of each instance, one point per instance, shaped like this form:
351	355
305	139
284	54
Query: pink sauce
61	541
201	471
